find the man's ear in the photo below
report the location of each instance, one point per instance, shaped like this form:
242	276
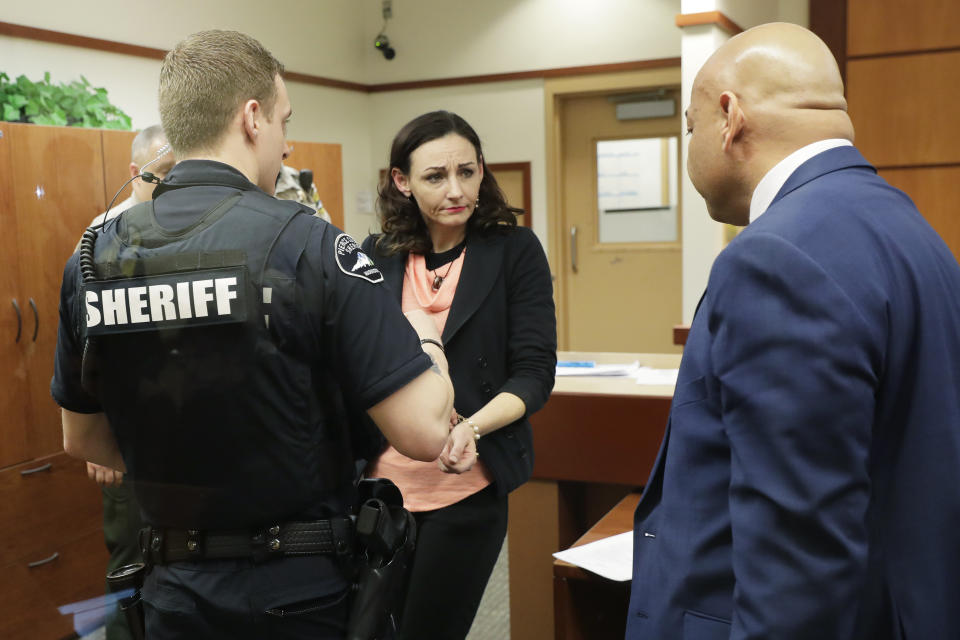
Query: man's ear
400	181
250	119
134	170
734	120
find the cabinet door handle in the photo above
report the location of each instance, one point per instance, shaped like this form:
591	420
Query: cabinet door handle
36	319
43	467
573	248
16	308
40	563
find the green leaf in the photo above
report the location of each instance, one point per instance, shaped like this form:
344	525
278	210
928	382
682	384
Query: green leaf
77	103
11	113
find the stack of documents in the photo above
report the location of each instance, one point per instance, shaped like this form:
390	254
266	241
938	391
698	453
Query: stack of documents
588	368
643	375
648	375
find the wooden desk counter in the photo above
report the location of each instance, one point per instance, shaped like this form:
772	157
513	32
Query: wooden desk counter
588	606
595	441
602	429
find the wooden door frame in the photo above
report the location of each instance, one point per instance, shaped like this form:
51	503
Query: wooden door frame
555	90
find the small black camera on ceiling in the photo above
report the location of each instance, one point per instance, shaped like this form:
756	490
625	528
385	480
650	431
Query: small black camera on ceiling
382	44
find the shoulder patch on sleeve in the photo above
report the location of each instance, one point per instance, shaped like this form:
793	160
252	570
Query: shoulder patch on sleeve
354	262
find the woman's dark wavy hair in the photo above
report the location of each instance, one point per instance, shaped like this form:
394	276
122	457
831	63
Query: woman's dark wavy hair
403	227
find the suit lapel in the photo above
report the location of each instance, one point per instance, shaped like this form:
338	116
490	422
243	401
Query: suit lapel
481	266
651	492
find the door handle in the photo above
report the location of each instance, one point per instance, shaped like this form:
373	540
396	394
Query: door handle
573	248
16	308
41	468
36	319
40	563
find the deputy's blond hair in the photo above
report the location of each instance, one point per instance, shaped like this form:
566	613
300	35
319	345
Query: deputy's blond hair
205	79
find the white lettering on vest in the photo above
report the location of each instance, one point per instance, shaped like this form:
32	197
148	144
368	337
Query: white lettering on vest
93	314
114	306
142	303
161	303
183	299
136	296
225	294
201	296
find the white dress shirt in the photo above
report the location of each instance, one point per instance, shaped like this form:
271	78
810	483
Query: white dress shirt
768	188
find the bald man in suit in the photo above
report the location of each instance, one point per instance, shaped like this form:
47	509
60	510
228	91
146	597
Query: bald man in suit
807	485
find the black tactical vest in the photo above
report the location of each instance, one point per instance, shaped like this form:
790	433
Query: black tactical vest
211	384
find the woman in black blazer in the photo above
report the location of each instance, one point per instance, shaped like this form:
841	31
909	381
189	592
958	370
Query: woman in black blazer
451	246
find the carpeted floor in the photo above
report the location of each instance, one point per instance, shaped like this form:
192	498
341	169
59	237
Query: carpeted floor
493	617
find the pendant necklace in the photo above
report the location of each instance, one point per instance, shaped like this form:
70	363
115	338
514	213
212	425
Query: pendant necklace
438	280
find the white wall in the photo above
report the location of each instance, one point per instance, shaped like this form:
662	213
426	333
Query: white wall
750	13
319	37
450	38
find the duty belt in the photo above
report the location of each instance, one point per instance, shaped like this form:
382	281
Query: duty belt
163	546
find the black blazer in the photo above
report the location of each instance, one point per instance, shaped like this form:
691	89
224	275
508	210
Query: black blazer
500	335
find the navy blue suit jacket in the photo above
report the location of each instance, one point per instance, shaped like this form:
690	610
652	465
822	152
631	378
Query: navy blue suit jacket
808	485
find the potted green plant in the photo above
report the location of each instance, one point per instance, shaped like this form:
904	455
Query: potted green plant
77	104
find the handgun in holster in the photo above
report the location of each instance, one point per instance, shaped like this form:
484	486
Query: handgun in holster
126	578
387	534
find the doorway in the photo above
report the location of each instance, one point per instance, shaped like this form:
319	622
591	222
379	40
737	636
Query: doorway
616	232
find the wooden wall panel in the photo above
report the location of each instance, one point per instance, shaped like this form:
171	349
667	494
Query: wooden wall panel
828	19
888	26
533	538
326	162
936	192
903	108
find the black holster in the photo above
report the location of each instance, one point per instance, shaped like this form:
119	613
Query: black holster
387	534
130	577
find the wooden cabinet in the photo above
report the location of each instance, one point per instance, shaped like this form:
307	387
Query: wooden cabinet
51	545
51	180
51	539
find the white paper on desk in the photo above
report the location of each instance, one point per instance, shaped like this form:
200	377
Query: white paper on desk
599	370
647	375
610	557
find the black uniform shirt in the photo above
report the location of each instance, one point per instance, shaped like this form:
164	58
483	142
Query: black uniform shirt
347	322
